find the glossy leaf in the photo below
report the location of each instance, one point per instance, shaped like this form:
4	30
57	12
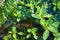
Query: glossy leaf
45	34
35	37
53	29
42	11
29	30
35	16
28	36
20	33
14	37
57	36
14	30
34	30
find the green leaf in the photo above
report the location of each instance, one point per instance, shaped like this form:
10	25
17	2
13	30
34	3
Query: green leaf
20	33
58	4
28	36
9	32
34	30
35	37
18	19
48	15
49	22
14	36
21	3
42	22
52	29
14	33
42	11
57	36
38	9
35	16
29	30
45	34
56	24
14	30
18	14
6	38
